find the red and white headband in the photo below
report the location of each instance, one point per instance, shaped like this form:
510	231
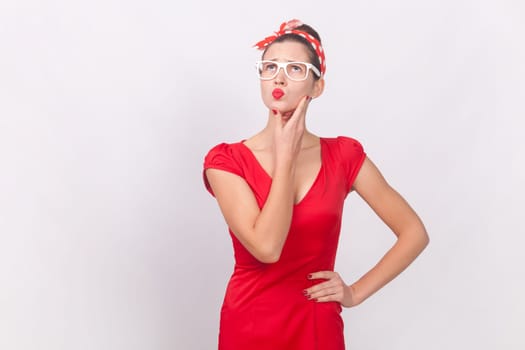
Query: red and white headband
289	28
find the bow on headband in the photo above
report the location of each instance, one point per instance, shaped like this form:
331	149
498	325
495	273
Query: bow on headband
289	28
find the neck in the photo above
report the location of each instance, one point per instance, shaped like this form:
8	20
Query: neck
264	138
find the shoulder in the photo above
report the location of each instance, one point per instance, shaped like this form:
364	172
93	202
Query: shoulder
345	146
223	156
220	148
220	153
347	154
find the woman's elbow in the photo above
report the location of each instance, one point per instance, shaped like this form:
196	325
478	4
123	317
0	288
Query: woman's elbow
270	259
426	238
417	237
267	256
422	238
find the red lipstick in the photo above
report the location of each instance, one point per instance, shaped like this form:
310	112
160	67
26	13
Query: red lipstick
277	93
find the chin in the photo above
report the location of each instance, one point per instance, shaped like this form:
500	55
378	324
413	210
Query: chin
287	114
281	106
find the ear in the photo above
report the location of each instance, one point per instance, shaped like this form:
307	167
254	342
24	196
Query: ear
318	88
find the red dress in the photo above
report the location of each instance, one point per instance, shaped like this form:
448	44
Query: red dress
264	306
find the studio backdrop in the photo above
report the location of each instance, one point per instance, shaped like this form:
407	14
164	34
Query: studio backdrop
108	238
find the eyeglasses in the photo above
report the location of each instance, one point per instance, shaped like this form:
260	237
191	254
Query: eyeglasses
296	71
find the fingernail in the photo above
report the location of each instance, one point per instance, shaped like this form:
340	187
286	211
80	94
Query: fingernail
309	276
274	111
305	292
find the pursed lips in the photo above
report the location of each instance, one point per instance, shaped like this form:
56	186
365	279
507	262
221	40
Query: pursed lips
277	93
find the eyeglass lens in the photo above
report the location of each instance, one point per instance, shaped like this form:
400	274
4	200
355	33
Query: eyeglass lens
294	70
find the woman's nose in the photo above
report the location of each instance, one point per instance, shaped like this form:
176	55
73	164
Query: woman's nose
280	78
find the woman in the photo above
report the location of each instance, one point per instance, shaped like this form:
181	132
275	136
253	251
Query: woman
281	193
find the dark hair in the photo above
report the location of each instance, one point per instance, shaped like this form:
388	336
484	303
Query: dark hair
312	55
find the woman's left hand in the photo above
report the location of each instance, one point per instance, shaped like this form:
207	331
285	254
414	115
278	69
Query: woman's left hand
333	289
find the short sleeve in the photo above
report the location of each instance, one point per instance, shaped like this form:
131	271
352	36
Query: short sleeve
353	156
220	157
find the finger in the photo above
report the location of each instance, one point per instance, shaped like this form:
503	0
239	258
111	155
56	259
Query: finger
323	287
322	275
302	108
325	292
298	115
277	114
328	298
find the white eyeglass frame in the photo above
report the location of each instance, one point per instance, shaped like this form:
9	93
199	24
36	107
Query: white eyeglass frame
283	65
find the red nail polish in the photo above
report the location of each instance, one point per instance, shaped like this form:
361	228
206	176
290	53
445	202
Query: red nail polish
309	276
274	111
305	292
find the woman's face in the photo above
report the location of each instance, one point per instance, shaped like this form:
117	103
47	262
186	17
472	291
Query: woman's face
288	51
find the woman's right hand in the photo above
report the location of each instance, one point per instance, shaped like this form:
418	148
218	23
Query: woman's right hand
263	231
288	133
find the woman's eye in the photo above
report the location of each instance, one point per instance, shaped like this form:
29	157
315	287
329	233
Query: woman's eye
270	67
297	68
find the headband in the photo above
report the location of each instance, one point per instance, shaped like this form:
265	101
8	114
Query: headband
289	28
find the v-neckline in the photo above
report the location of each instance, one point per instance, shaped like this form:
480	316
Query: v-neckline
314	183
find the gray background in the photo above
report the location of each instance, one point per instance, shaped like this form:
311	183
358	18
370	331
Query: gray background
108	239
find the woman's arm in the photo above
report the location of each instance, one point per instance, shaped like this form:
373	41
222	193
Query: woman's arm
263	231
397	214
